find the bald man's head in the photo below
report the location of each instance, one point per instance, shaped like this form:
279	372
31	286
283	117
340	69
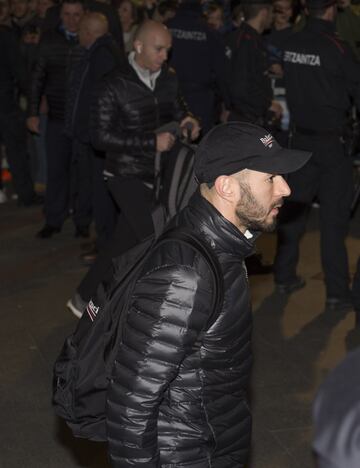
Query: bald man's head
92	26
152	43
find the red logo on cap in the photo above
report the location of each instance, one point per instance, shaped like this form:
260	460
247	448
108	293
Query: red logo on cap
267	141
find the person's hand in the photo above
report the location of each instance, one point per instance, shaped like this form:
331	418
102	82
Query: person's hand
164	141
224	116
33	124
276	109
189	124
277	69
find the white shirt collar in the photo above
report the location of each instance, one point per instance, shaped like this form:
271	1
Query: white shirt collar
148	78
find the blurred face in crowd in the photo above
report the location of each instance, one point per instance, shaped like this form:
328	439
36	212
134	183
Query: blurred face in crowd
125	11
260	197
42	7
283	12
92	26
268	17
71	14
4	12
33	5
215	19
343	3
152	48
19	8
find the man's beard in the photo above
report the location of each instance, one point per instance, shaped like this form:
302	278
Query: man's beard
252	215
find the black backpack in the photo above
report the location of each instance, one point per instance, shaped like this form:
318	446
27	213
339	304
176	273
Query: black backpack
178	182
83	369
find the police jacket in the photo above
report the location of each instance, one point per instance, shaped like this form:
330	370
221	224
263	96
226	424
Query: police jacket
320	76
250	85
198	54
50	72
12	70
126	114
97	61
178	396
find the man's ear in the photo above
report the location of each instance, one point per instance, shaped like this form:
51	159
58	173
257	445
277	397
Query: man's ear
226	188
138	46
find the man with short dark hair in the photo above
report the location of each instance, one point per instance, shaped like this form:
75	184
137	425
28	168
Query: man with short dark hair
178	393
49	78
249	82
321	76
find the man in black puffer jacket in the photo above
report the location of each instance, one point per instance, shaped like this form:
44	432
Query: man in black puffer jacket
177	397
131	107
49	78
102	55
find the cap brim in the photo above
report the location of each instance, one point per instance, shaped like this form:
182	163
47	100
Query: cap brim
284	161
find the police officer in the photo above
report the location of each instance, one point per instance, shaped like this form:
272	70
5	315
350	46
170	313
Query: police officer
320	74
250	85
198	56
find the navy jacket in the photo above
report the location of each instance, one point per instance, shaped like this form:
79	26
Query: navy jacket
198	54
100	59
320	76
250	85
50	72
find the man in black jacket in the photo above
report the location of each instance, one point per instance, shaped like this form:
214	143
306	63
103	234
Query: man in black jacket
321	76
101	56
49	77
250	85
131	107
198	56
178	393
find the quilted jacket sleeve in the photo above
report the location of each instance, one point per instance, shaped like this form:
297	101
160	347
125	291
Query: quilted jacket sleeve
106	132
169	308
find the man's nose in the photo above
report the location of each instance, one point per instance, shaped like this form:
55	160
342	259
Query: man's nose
282	187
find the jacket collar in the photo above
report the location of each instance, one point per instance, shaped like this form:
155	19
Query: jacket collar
104	40
128	72
222	235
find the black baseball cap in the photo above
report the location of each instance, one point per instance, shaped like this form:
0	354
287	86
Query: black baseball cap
231	147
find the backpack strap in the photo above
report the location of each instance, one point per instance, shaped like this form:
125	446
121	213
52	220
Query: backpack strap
188	237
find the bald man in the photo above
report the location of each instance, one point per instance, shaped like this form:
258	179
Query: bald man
100	56
131	107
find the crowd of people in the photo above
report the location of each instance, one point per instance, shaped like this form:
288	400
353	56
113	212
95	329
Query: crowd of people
291	68
96	96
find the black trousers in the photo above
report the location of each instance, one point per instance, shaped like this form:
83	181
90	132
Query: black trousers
93	196
134	223
64	178
328	175
14	137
